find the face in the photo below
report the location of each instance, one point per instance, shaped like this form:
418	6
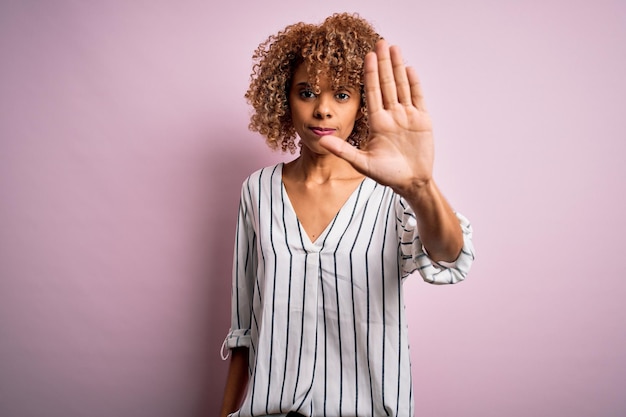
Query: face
326	111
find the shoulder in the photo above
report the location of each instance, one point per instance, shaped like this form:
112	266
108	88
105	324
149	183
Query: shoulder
262	174
261	179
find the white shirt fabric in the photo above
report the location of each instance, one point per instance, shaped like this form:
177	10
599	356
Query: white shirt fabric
324	321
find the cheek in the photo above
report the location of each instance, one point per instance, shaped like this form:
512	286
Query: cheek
296	113
357	114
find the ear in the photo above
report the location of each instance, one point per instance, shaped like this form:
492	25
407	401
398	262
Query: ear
360	113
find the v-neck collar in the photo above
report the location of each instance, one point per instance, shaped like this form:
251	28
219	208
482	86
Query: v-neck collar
342	215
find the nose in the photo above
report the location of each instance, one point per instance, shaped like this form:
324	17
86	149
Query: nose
322	108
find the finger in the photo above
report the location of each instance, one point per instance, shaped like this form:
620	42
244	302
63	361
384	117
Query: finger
385	74
417	98
344	150
400	76
373	95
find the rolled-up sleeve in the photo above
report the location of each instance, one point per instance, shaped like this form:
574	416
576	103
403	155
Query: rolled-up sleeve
415	257
244	270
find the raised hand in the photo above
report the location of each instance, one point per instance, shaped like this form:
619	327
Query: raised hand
399	151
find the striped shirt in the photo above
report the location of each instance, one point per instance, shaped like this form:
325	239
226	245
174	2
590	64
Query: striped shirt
324	321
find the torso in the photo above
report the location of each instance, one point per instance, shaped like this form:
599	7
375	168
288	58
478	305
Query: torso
327	330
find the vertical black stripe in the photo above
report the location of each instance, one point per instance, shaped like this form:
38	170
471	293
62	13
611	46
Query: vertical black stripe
399	345
410	382
260	199
242	229
236	285
259	291
254	288
367	280
271	358
384	304
354	324
286	365
321	281
306	256
314	368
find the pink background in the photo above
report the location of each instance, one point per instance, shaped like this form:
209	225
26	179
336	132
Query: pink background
123	144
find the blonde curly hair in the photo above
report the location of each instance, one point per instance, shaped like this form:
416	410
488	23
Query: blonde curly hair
336	47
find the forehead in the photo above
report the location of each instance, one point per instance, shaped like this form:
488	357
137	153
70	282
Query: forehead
302	74
319	76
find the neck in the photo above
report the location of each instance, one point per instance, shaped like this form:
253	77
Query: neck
320	168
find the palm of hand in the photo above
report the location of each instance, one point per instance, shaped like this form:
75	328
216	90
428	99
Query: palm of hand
399	151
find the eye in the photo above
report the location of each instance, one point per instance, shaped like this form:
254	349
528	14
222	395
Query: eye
306	94
343	96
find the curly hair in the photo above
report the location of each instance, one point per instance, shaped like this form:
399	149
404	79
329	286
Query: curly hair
337	47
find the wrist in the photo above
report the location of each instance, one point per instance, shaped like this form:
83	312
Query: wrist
417	189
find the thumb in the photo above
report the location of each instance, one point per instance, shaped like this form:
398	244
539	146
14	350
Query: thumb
341	148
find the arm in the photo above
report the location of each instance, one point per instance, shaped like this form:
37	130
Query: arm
400	151
236	381
238	339
438	226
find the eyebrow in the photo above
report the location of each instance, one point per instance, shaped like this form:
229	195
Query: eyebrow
339	88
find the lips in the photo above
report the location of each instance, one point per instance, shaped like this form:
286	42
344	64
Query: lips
322	131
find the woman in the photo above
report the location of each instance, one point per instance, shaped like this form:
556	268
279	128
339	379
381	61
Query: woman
324	242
